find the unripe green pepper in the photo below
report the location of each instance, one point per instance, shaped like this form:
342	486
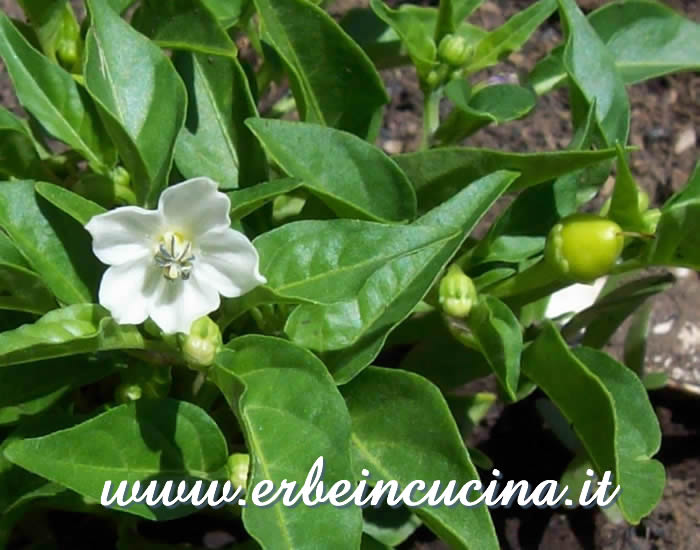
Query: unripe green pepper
583	247
454	50
457	292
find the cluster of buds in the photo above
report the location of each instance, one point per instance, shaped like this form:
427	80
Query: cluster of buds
453	54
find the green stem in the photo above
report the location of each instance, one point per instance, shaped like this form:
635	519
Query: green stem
431	114
535	277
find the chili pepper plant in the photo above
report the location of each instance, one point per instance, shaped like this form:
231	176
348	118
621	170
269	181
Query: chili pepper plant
210	271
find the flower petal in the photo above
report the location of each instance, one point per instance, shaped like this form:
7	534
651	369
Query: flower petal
194	207
228	261
126	290
177	304
124	234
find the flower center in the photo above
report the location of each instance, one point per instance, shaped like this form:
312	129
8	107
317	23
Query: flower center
174	256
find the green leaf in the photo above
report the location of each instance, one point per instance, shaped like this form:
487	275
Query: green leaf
499	335
648	39
353	177
610	412
142	99
635	346
409	24
445	362
245	201
54	98
55	246
390	526
677	239
165	439
22	290
437	174
228	12
22	384
328	261
214	141
584	55
464	8
391	294
604	317
54	22
285	433
624	204
405	432
79	208
81	328
183	25
18	155
498	103
335	82
510	36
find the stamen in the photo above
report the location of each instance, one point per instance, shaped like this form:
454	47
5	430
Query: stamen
174	256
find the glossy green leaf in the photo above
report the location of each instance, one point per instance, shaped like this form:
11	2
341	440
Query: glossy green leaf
408	23
405	432
609	410
690	192
79	208
227	12
142	98
391	294
245	201
214	141
510	36
328	261
668	44
335	83
499	336
584	55
438	174
648	39
81	328
183	25
493	104
353	177
21	384
54	98
160	440
54	22
55	246
285	433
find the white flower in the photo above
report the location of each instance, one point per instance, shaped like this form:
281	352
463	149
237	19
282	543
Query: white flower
172	263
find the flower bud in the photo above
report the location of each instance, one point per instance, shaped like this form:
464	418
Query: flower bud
454	50
127	392
583	247
202	343
237	469
457	292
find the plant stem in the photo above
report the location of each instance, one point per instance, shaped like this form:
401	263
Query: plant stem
431	114
535	277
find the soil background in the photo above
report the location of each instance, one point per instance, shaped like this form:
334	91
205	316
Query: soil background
665	123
